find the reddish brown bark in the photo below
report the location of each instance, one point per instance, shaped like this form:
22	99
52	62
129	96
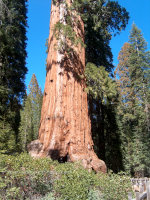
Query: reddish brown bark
65	129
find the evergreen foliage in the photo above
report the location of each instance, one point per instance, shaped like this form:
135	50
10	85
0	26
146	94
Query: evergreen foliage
133	110
36	97
103	19
12	69
30	114
102	97
100	85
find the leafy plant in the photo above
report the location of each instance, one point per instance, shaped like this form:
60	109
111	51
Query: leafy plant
22	177
74	183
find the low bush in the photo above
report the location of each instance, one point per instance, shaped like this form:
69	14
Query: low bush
22	177
77	183
114	186
74	182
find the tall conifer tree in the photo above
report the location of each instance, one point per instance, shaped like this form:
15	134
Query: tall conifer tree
12	69
31	114
35	96
133	72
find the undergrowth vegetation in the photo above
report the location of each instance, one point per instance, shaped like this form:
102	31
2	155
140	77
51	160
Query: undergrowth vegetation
22	177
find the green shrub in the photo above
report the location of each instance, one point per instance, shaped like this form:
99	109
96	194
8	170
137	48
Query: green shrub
75	183
114	186
22	177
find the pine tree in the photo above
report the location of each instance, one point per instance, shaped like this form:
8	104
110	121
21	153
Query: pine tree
125	115
12	68
133	116
35	96
30	114
139	68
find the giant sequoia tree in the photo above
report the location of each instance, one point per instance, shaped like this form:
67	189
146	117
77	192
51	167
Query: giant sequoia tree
65	130
12	68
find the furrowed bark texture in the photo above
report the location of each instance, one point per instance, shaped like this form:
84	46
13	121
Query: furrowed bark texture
65	129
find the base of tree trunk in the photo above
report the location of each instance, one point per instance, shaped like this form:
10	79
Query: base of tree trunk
88	158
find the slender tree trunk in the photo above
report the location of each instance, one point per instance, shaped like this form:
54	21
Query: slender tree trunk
65	129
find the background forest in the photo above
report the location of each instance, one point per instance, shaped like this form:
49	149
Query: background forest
118	96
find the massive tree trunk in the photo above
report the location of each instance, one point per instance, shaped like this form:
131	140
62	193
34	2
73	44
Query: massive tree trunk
65	129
